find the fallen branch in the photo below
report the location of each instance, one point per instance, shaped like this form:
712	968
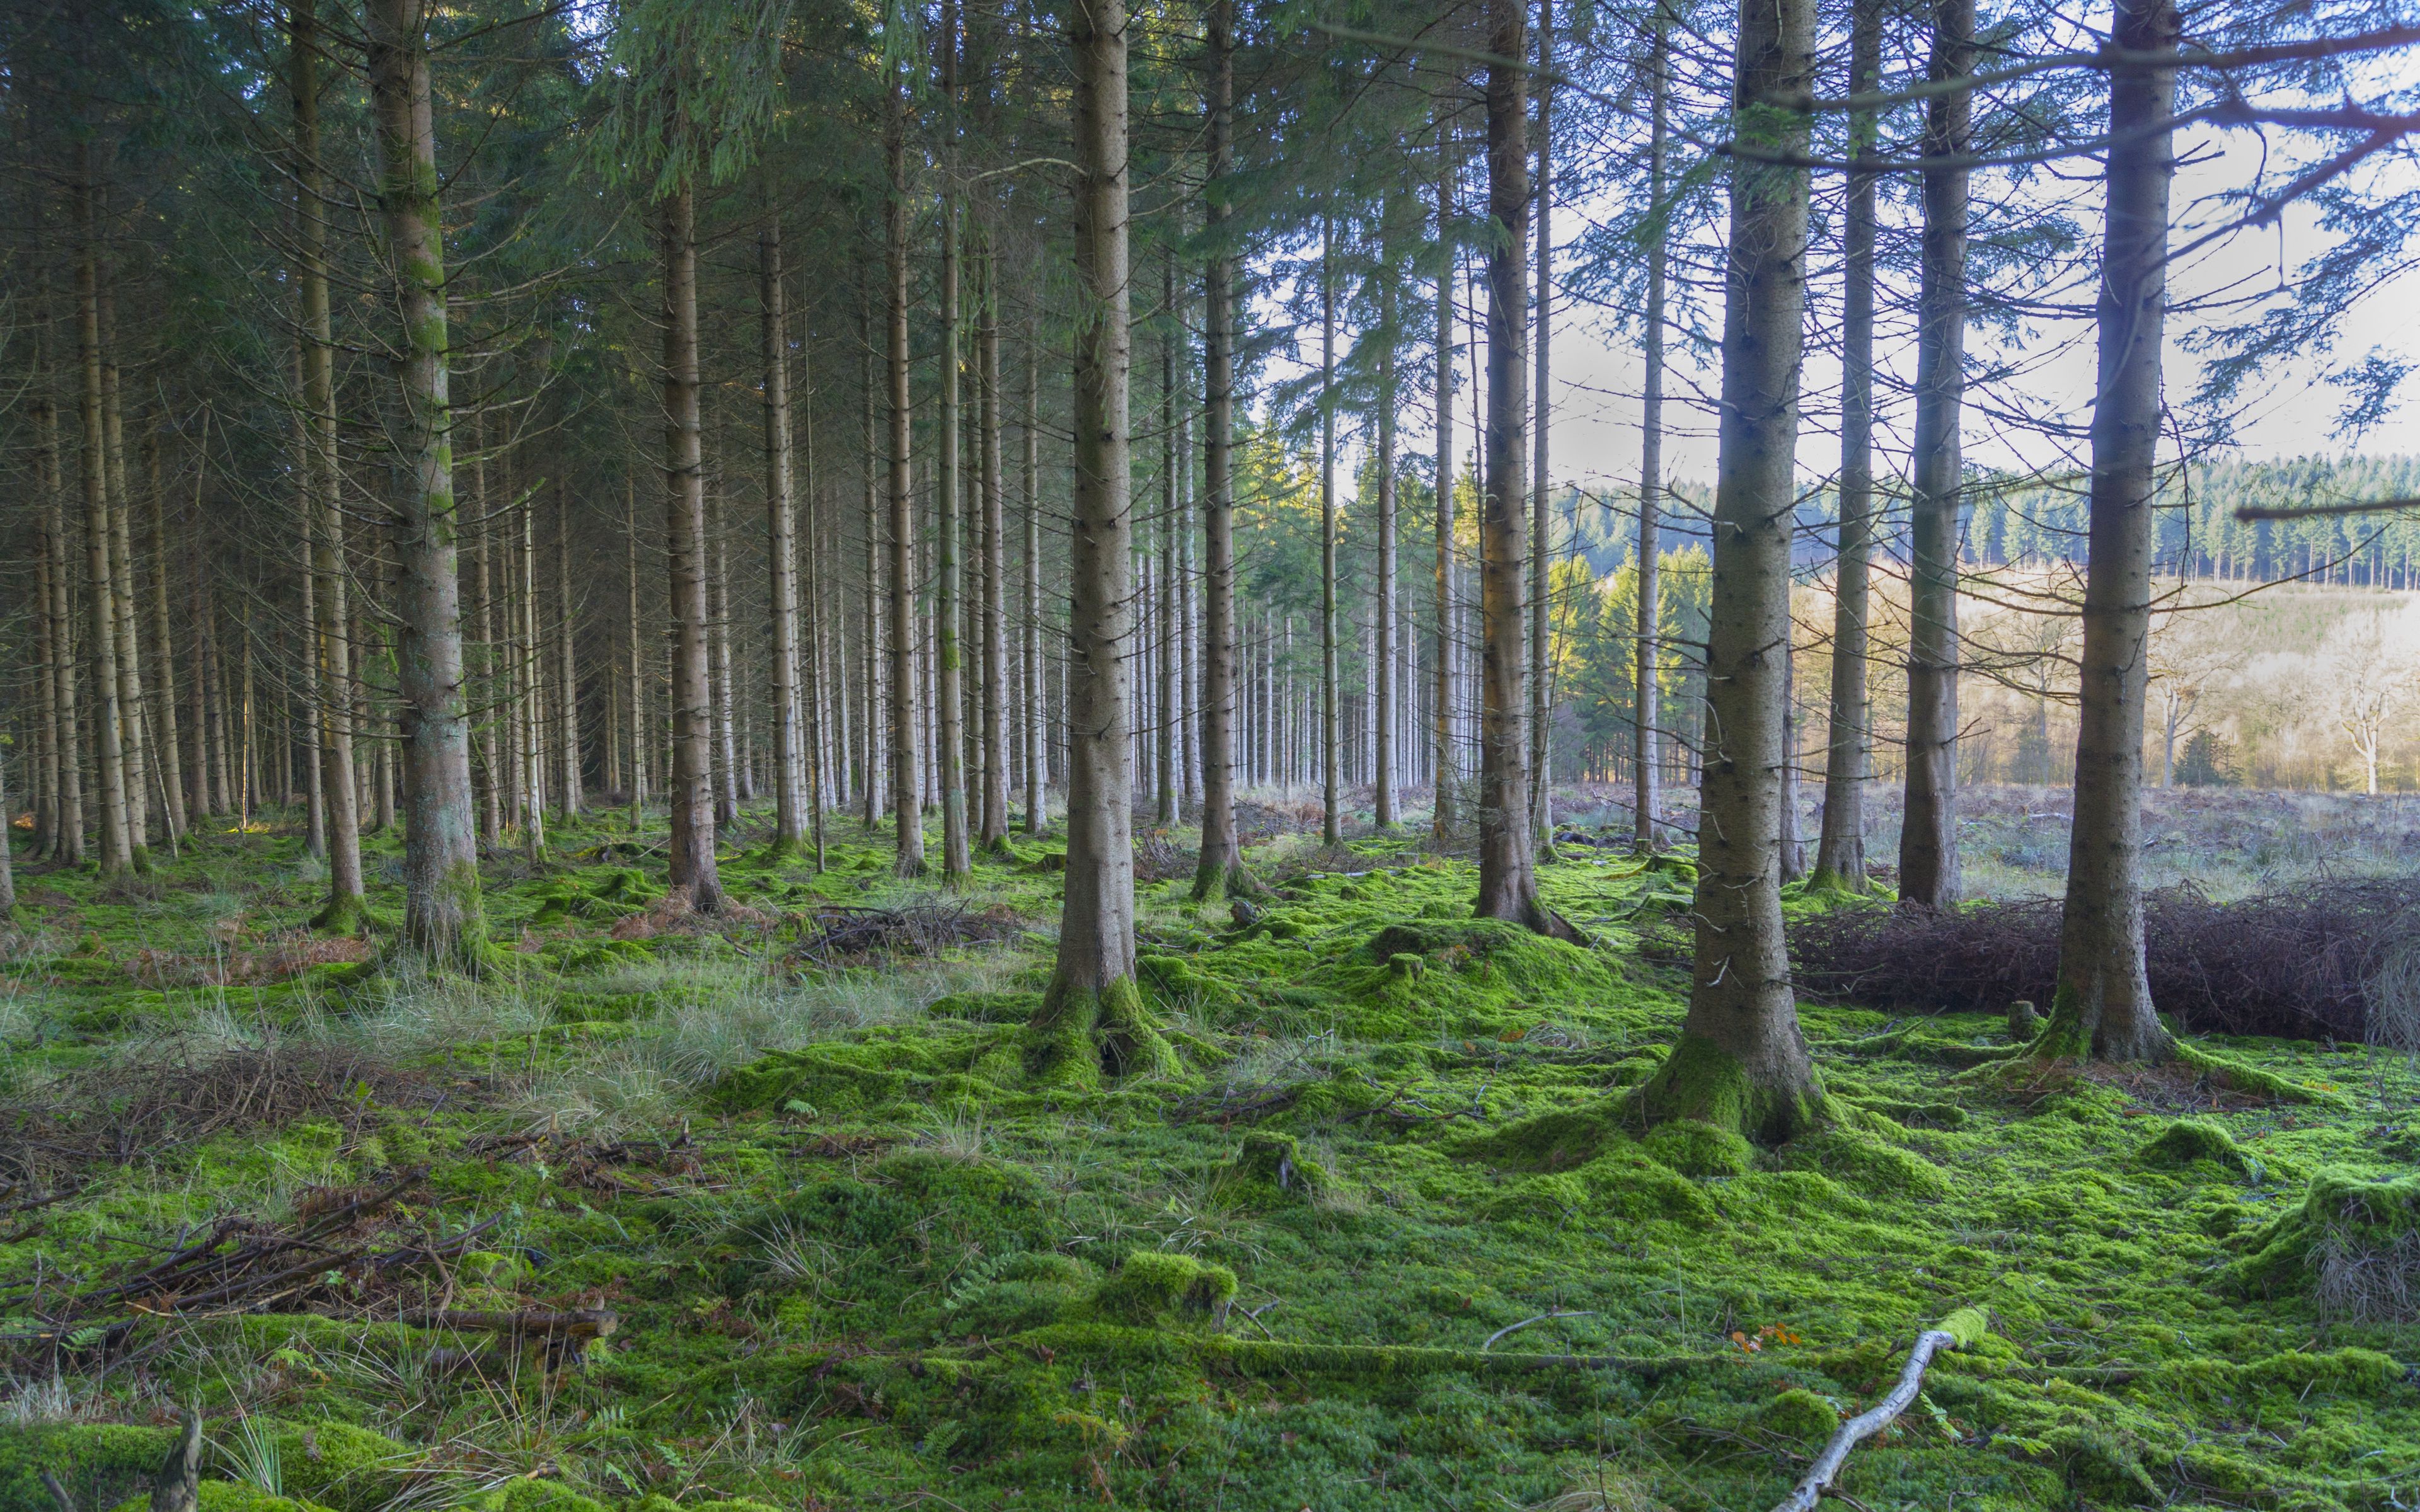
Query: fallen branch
1957	1331
1527	1322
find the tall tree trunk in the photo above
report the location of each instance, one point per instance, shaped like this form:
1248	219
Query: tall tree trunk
170	778
66	732
906	783
2102	1009
1382	764
640	740
1163	648
1508	882
1928	843
117	836
1036	775
306	513
1444	813
442	916
1541	518
1332	818
1647	693
483	616
995	568
566	681
324	524
720	670
1092	1017
529	654
1220	869
45	762
872	777
121	583
691	789
1742	1063
949	603
1840	853
782	529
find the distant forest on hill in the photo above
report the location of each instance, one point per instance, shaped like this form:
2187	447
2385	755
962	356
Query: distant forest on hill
2029	522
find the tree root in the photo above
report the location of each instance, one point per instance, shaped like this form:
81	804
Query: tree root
1958	1329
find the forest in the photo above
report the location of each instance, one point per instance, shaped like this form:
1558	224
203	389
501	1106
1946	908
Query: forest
1583	755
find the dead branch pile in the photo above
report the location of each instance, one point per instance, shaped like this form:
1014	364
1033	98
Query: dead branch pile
175	1092
842	934
342	1254
1159	859
594	1164
2299	966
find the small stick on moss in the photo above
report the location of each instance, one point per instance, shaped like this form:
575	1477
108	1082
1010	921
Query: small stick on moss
58	1492
1527	1322
1958	1329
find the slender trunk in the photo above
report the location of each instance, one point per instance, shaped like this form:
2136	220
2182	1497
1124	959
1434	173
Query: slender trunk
1092	1017
1036	776
441	860
720	670
67	732
1927	845
1331	829
806	712
781	526
1382	762
870	779
1840	854
527	658
1164	619
1647	700
1220	869
995	568
691	789
306	513
116	837
121	584
1444	813
949	655
483	615
167	760
566	681
1508	882
639	740
1541	519
906	784
45	762
1742	1063
2103	1004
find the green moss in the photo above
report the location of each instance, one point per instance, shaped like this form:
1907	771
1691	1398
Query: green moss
2189	1141
1154	1288
2354	1244
1803	1415
1703	1081
1078	1035
1695	1149
1865	1161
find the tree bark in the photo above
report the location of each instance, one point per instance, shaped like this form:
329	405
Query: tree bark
1092	1017
568	800
121	583
1841	851
2102	1009
1331	825
949	602
117	836
906	784
1382	762
1220	869
642	740
1444	813
720	672
1036	763
1646	759
994	835
443	917
483	615
1927	845
691	791
66	731
1163	648
782	530
170	766
1541	518
1508	882
1742	1063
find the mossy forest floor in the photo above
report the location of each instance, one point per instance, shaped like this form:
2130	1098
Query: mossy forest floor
1385	1241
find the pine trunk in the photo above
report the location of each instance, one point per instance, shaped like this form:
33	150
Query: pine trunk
1036	777
1444	813
1540	518
1840	852
1220	869
1647	700
1928	846
782	530
906	783
116	837
1742	1063
1382	760
2103	1004
1508	882
440	858
691	789
1092	1017
1332	818
995	568
949	605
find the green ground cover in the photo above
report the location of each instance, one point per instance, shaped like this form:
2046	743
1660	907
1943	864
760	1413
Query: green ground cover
1385	1238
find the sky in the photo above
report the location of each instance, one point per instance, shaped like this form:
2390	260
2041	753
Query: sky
1598	374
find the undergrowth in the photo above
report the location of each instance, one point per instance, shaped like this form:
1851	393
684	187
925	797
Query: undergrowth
1378	1234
